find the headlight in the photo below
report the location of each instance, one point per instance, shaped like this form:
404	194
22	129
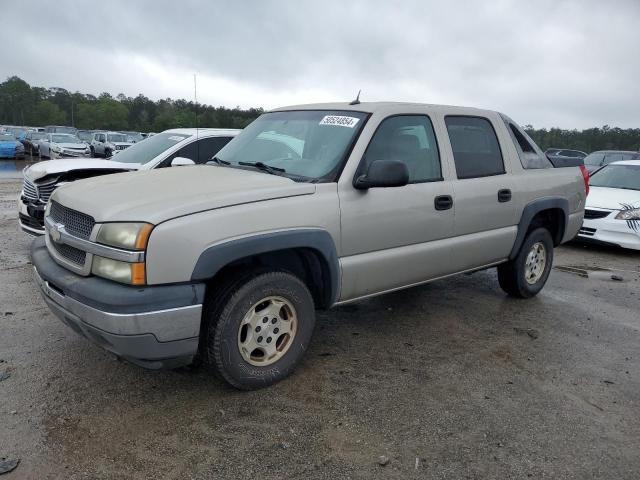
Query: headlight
123	272
55	148
86	150
131	236
631	214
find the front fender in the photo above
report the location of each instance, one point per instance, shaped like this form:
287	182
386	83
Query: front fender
214	258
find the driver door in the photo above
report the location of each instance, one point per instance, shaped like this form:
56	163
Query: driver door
397	236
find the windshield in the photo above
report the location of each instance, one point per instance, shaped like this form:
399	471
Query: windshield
146	151
617	176
6	136
64	138
62	129
307	144
85	136
134	137
37	135
116	137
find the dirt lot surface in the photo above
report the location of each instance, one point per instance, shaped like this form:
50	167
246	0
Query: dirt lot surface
451	380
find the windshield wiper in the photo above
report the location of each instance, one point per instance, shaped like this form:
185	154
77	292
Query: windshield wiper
219	161
264	167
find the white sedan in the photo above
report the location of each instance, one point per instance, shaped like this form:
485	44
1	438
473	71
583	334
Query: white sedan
62	145
180	146
612	211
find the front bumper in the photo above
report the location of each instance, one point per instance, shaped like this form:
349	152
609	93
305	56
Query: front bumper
609	231
153	327
30	217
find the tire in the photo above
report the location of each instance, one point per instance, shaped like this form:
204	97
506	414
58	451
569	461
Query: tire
93	152
515	278
107	153
229	340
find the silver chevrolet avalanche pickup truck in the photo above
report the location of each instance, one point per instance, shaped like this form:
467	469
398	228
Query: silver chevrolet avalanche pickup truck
309	207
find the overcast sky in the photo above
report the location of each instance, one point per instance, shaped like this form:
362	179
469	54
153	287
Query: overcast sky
545	63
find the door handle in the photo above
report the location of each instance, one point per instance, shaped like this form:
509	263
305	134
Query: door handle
443	202
504	195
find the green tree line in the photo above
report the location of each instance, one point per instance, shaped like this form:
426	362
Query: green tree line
24	105
589	140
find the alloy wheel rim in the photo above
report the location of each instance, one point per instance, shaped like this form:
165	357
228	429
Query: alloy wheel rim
535	263
267	331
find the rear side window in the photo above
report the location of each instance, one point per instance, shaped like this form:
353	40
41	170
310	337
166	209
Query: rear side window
530	156
409	139
476	151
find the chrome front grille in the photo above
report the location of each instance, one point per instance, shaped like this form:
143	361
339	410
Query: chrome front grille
593	214
587	232
29	189
70	253
38	192
45	191
121	147
76	223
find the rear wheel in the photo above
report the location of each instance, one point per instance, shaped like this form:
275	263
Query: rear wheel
258	328
525	275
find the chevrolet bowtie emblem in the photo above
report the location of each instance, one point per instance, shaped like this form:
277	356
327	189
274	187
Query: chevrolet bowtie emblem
54	232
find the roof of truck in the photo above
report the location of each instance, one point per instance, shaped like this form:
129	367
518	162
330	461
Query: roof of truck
385	107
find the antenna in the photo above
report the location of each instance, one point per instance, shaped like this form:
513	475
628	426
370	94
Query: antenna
357	100
195	98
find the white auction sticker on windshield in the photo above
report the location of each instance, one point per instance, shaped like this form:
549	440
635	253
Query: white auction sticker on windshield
339	120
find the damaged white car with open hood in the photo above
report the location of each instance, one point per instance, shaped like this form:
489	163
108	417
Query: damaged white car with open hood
177	147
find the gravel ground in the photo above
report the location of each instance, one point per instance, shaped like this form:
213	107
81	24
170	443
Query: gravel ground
451	380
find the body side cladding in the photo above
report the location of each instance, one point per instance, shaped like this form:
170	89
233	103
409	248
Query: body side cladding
216	257
530	211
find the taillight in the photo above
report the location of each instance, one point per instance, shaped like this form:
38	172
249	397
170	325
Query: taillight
585	177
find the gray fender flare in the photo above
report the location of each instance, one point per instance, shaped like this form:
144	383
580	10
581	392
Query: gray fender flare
530	211
214	258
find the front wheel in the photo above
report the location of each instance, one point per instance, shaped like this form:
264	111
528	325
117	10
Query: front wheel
525	275
258	329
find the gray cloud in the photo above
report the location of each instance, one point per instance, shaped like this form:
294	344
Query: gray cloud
548	63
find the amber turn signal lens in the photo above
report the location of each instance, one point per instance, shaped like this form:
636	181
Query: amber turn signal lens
138	274
143	236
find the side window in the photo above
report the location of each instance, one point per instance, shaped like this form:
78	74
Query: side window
409	139
208	147
476	151
530	157
189	151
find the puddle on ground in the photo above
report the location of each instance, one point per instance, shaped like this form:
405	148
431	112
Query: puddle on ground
595	272
10	168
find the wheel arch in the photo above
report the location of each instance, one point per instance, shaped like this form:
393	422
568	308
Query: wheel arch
310	254
550	212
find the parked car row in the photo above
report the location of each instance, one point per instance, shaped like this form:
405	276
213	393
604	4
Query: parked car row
308	207
98	142
594	160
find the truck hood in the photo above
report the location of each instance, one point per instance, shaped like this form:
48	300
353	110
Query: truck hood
42	169
158	195
612	198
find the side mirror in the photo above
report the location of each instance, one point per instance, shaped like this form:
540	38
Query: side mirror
383	173
181	162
